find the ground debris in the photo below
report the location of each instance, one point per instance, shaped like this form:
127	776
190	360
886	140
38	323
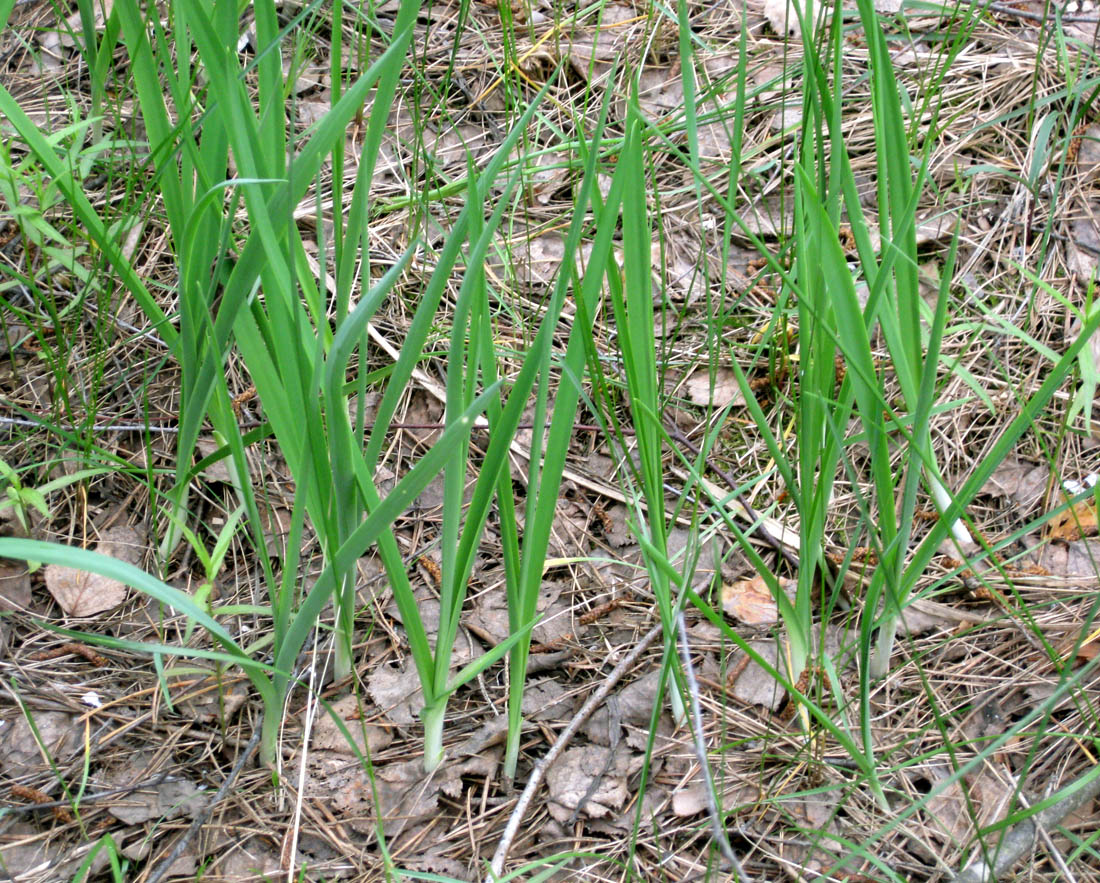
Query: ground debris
1019	480
751	602
22	751
327	736
168	800
15	585
396	690
401	796
81	593
588	780
1018	179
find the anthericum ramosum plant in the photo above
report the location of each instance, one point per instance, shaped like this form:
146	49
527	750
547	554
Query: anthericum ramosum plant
297	337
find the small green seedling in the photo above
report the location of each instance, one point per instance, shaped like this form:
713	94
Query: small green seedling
211	562
1087	365
21	497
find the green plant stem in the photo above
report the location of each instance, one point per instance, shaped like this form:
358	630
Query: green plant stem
433	718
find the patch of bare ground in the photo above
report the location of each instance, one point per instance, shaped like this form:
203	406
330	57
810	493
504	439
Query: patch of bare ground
991	704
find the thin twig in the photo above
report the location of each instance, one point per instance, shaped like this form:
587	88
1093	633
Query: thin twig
496	866
1048	841
1027	15
95	427
1021	838
201	819
579	427
718	831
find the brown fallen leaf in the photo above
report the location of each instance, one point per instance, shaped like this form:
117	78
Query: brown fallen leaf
751	601
27	854
546	700
991	795
947	810
167	800
588	779
209	699
1021	481
542	258
20	754
399	794
726	389
80	593
618	26
921	616
184	866
553	174
440	865
489	617
1089	649
276	527
753	684
692	799
245	861
123	542
616	529
1072	560
328	737
660	92
397	691
220	471
653	801
1078	521
630	708
15	585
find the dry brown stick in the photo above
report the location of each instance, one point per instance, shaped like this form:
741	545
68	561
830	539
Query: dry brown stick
1052	850
66	649
496	866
